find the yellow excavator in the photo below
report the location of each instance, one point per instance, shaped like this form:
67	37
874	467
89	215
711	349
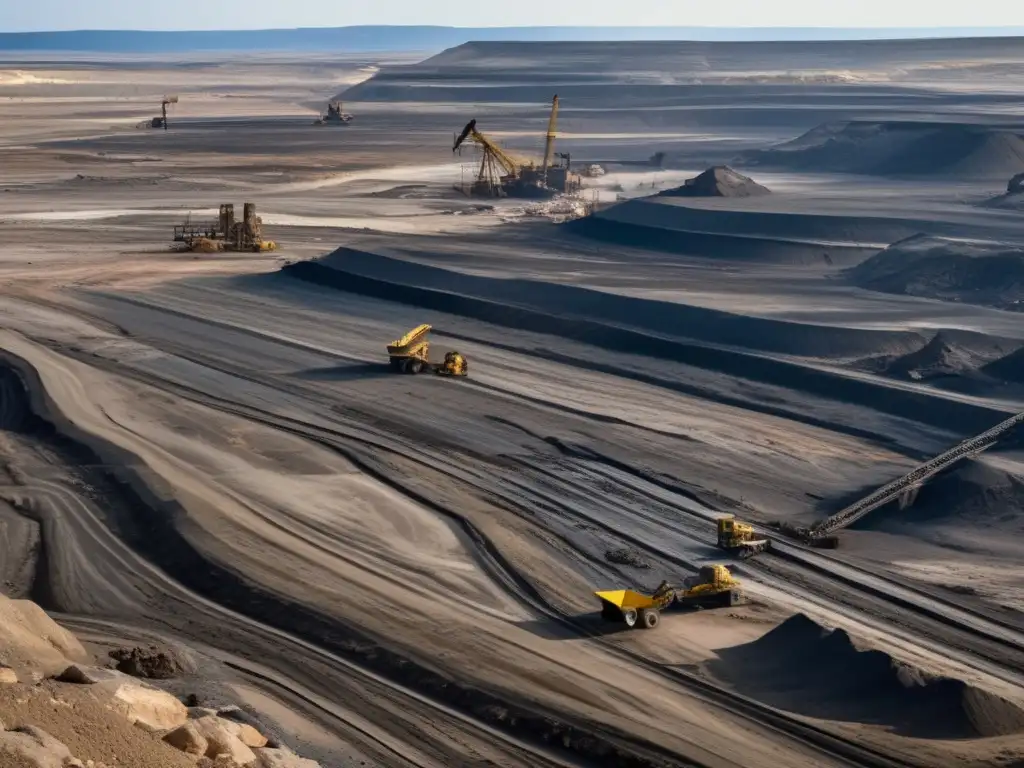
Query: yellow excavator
740	539
411	354
713	587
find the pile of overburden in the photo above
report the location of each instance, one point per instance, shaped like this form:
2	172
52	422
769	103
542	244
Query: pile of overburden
805	667
977	272
1013	199
718	181
900	148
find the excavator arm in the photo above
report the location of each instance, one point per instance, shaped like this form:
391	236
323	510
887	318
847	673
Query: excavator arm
510	166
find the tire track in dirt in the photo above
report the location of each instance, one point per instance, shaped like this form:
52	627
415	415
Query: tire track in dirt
834	746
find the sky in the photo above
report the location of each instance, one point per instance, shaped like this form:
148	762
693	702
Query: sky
45	15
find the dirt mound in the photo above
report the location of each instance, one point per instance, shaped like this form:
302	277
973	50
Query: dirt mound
947	353
627	324
973	271
718	181
675	225
1013	199
147	663
630	557
1009	369
803	667
508	301
895	148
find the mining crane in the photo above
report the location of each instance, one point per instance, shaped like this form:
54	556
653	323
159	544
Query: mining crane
501	175
549	139
498	170
161	122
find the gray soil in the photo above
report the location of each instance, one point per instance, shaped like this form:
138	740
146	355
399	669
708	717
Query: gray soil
209	452
824	674
987	273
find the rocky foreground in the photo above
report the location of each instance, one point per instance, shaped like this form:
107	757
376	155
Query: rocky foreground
58	709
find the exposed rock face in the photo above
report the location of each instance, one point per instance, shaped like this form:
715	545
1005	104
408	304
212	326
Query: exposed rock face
718	181
31	640
222	739
187	739
150	708
83	674
250	736
36	747
146	662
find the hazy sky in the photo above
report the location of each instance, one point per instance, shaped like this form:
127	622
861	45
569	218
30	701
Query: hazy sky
26	15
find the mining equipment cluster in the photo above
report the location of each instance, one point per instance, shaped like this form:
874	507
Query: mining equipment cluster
502	175
713	587
225	234
334	115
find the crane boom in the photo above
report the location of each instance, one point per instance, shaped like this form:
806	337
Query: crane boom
549	145
510	166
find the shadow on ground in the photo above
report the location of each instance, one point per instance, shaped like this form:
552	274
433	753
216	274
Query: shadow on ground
354	371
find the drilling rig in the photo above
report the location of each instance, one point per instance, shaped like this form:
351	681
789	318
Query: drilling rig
161	122
502	175
334	115
225	234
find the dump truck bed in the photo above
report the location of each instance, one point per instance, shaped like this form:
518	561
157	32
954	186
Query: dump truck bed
406	345
625	598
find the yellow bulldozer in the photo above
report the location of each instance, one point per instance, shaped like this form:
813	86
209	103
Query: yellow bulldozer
411	354
740	539
713	587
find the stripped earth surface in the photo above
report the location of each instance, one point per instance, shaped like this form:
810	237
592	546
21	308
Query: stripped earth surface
209	451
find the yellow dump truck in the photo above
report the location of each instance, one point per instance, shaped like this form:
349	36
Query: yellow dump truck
713	587
739	538
411	354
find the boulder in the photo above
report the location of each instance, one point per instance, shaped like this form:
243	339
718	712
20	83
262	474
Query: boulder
34	747
244	725
186	738
282	758
1016	184
250	736
8	676
31	640
83	674
196	712
152	709
146	662
222	739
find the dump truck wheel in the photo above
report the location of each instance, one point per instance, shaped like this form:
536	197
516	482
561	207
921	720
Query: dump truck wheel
649	618
415	366
629	616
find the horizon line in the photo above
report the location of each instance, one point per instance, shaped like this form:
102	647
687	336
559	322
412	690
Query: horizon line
758	27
